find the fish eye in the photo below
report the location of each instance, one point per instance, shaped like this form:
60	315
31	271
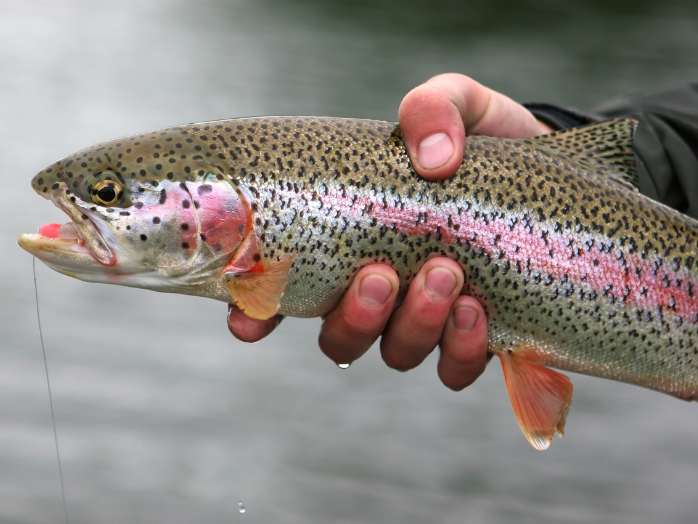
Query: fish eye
106	193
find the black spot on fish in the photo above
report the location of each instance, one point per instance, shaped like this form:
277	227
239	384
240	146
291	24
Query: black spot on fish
185	204
185	245
184	227
204	188
144	238
163	196
156	220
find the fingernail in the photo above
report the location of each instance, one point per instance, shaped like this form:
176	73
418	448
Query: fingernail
464	318
440	282
435	150
374	290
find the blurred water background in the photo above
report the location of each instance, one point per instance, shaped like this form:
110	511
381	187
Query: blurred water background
162	416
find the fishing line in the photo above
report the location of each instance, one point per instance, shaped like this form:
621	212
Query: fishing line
50	397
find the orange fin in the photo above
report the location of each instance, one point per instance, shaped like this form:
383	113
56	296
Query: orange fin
258	293
246	257
540	397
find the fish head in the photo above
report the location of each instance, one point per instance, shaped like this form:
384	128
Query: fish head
145	211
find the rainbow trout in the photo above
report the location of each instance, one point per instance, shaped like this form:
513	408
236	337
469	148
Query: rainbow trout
575	269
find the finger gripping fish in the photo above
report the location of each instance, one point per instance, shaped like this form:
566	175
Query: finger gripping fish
575	269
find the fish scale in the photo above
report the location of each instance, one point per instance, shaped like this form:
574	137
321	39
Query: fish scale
575	269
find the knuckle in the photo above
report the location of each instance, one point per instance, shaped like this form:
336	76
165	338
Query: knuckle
246	334
458	377
397	362
454	385
459	354
342	349
427	320
466	355
404	356
466	349
362	325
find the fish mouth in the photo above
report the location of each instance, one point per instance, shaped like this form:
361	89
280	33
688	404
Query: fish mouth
54	246
78	242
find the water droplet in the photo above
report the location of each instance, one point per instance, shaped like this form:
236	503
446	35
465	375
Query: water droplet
343	366
241	508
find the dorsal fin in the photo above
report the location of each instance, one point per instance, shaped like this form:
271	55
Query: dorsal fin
606	148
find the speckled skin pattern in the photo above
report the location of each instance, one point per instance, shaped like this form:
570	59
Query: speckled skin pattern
572	267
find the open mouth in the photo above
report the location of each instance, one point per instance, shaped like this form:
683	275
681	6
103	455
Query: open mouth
79	237
67	231
58	245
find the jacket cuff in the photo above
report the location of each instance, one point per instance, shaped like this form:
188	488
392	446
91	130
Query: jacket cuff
559	117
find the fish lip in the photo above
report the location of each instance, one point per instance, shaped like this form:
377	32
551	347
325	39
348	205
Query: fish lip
47	249
86	228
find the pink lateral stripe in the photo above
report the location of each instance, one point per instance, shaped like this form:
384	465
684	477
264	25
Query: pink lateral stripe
636	282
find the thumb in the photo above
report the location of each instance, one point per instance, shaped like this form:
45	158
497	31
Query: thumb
435	116
433	131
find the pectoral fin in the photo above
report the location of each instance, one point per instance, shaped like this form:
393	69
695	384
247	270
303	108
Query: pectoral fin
258	293
540	397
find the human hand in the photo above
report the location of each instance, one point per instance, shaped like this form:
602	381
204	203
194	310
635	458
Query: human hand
434	118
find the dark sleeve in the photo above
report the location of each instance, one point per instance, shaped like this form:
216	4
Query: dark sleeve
666	141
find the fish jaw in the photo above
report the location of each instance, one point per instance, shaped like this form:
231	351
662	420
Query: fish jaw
73	248
87	227
65	255
63	249
70	257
